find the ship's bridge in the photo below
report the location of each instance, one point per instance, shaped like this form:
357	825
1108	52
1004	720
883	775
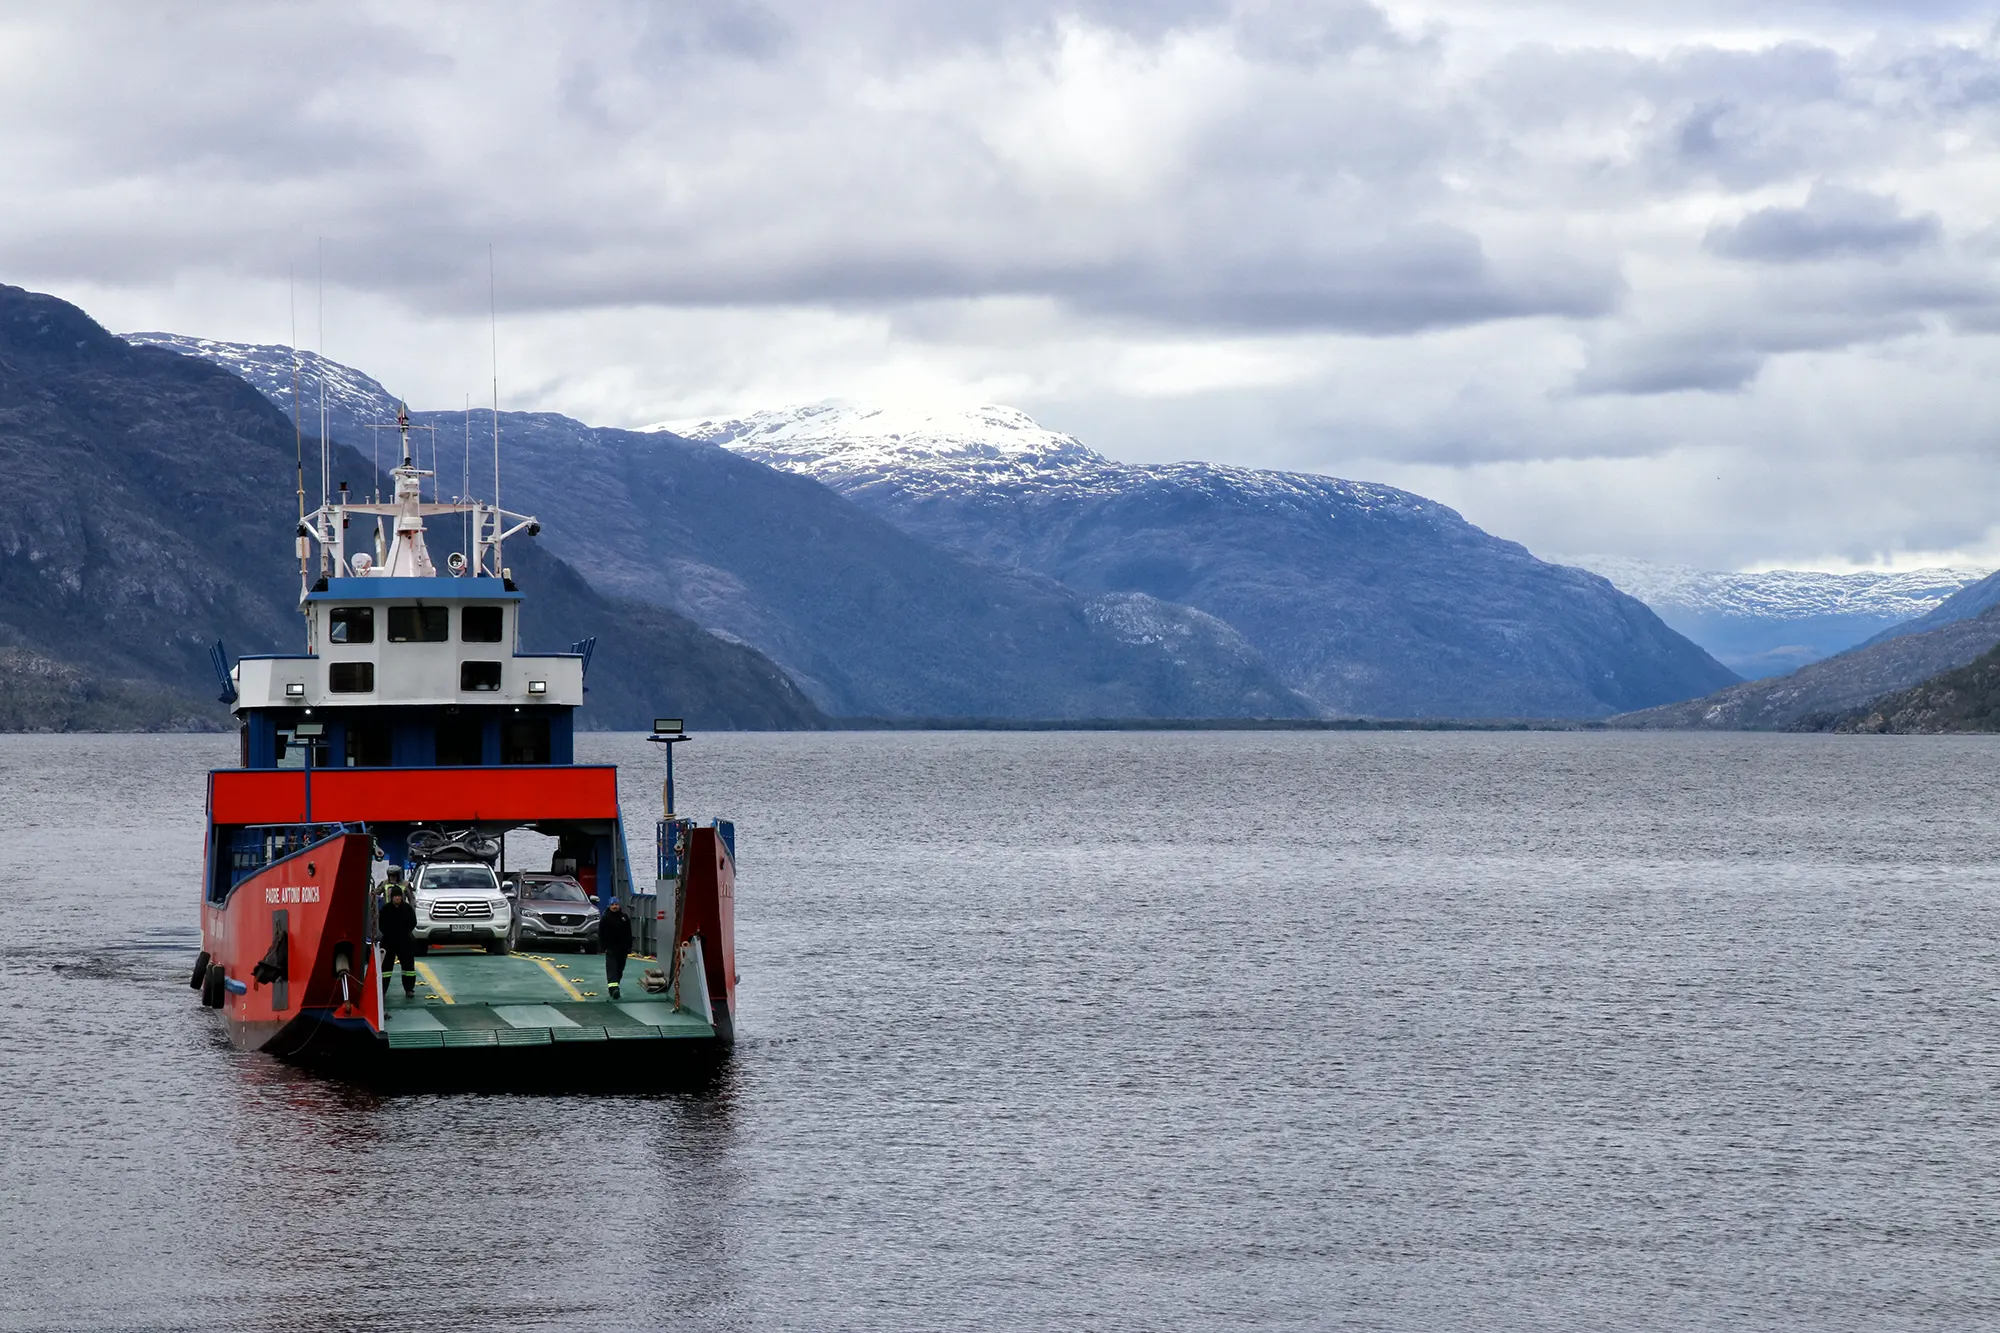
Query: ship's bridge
411	641
405	666
409	673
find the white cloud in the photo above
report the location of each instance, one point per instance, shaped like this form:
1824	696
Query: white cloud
1652	279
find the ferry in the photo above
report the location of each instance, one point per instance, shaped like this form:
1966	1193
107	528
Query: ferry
413	733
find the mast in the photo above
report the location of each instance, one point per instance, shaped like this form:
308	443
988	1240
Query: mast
465	481
325	476
493	329
298	438
302	544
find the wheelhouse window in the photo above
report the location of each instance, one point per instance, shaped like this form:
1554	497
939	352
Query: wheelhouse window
350	677
419	624
479	624
369	745
461	742
479	676
292	749
524	740
350	624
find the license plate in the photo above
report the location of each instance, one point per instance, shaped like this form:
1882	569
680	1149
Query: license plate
461	928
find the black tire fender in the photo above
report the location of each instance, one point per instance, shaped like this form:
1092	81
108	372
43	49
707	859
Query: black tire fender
200	977
212	989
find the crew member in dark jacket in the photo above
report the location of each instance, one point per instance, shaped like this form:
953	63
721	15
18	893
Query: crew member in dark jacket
614	936
398	921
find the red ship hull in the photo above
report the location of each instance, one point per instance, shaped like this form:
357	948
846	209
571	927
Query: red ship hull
304	919
297	968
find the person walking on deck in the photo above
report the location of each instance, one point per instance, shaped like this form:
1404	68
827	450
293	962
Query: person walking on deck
614	936
398	921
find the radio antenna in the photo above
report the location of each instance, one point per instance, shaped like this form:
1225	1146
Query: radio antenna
493	329
465	477
324	473
298	438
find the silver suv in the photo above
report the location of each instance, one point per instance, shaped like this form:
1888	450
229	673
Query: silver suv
554	909
459	902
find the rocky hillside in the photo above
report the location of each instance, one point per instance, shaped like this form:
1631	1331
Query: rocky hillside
1845	681
1367	599
1775	621
1964	699
152	501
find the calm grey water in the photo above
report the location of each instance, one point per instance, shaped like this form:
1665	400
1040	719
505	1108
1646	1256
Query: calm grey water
1096	1031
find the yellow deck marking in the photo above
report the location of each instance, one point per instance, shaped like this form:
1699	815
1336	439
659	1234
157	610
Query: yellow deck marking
431	980
561	980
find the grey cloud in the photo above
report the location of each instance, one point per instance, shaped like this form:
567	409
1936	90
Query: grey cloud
1671	365
1834	222
896	30
720	154
1304	32
114	91
1290	185
1425	277
1723	348
1742	120
1747	119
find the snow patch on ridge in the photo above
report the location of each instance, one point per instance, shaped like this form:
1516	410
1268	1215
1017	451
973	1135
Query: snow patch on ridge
1780	594
853	447
1136	617
268	367
863	436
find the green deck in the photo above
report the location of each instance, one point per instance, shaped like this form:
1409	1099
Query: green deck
480	999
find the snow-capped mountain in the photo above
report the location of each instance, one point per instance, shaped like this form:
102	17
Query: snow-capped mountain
1770	622
1366	598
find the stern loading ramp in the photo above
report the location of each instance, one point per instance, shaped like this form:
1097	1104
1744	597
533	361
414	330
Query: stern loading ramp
481	999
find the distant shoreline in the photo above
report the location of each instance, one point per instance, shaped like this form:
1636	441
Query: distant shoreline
1215	724
1010	724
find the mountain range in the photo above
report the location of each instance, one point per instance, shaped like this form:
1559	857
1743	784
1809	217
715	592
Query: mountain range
1368	599
869	620
1075	587
1768	623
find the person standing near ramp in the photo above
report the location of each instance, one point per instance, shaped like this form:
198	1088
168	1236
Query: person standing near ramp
398	921
614	936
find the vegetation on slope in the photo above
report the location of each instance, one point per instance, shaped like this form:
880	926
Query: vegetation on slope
1965	699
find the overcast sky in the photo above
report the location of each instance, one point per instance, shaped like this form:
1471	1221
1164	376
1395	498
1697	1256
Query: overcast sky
1643	279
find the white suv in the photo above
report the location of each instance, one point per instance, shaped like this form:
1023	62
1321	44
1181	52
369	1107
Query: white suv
459	902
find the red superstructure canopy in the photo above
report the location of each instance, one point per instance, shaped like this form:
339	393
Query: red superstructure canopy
517	794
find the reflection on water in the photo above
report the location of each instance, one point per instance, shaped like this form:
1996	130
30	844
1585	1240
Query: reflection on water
1371	1031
